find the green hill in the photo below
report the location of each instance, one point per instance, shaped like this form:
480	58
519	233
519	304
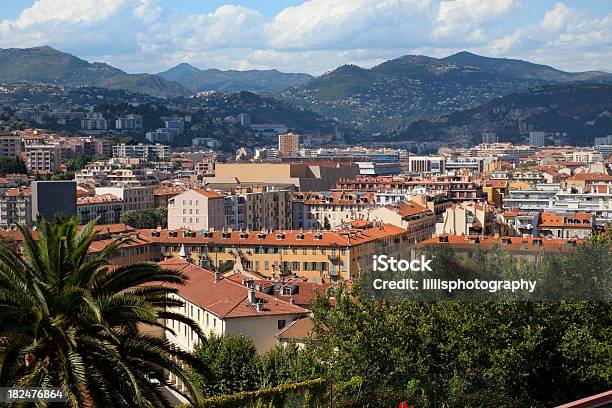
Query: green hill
395	93
582	110
48	65
259	81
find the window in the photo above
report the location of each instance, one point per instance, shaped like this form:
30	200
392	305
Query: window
197	220
281	324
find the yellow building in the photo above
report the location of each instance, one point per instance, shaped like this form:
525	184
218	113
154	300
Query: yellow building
496	190
319	256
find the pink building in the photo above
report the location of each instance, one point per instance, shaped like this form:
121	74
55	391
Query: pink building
196	209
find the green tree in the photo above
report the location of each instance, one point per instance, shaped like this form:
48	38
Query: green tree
326	224
10	165
146	219
232	363
70	321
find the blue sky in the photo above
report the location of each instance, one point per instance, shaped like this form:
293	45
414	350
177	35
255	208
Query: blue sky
310	35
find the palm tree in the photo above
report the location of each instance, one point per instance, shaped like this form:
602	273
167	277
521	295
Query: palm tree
70	320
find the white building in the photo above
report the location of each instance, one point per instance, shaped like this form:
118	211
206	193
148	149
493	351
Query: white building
223	306
143	151
196	209
129	122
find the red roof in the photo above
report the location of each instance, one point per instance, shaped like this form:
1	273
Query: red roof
208	193
225	298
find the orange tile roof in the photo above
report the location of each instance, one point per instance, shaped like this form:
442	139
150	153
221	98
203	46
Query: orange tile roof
98	199
225	298
410	208
208	193
18	192
592	177
278	238
515	244
300	329
169	190
577	220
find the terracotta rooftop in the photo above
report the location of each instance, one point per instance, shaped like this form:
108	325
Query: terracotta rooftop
517	244
225	298
275	238
98	199
298	330
577	220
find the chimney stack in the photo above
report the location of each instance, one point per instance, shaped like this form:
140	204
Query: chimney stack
292	300
251	296
217	276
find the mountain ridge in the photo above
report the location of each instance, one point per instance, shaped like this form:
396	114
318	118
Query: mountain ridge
45	64
260	81
399	91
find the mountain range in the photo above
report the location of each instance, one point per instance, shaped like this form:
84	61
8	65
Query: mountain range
259	81
399	91
48	65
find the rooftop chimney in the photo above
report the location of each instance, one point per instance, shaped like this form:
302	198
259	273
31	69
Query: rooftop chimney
259	307
292	300
217	276
251	296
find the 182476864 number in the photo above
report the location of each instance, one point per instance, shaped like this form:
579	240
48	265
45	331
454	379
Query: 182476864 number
31	394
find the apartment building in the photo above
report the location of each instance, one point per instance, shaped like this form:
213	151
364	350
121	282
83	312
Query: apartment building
575	225
426	164
135	198
311	210
467	219
16	207
11	146
222	306
148	152
43	158
197	209
596	200
258	207
419	221
288	144
319	256
161	195
129	122
107	208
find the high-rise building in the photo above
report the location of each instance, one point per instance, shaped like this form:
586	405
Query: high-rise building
129	122
288	144
537	138
51	198
43	158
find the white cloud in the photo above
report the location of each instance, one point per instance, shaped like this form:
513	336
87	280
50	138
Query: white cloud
565	37
314	36
461	20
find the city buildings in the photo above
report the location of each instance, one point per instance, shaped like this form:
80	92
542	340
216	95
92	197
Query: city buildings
330	209
417	220
106	208
319	256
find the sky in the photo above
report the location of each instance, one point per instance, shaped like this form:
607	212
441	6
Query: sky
313	36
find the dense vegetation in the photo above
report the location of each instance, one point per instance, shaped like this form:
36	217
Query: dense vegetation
146	218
